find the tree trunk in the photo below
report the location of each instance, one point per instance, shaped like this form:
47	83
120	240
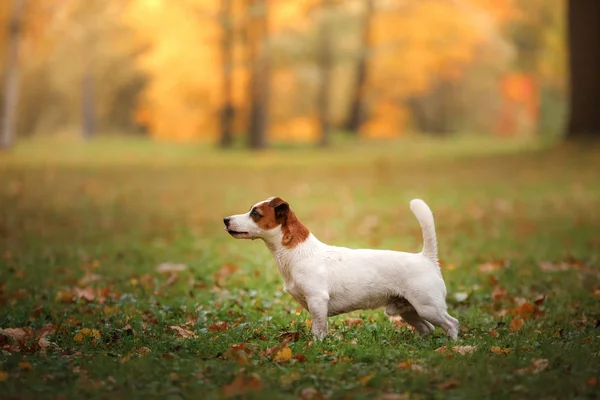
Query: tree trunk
325	61
584	59
227	110
88	106
357	112
11	75
258	43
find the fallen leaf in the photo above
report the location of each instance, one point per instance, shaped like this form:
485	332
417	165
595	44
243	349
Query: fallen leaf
166	268
516	323
283	355
226	271
498	293
25	366
365	379
3	376
353	321
441	350
449	384
65	296
593	381
394	396
536	366
464	349
299	357
16	334
539	300
184	333
219	326
86	294
548	266
87	333
310	393
242	384
275	349
491	266
500	350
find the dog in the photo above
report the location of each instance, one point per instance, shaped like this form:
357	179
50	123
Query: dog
329	280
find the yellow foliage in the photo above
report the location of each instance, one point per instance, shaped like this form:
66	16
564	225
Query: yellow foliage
298	129
386	121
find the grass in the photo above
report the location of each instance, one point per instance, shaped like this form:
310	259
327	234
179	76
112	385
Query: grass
83	228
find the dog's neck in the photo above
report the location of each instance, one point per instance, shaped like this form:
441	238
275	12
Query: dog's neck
289	242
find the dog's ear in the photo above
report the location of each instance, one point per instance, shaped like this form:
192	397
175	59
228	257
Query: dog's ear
281	209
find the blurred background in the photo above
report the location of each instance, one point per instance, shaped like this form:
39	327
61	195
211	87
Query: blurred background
254	72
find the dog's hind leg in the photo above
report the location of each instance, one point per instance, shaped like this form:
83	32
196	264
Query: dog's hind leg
401	306
440	318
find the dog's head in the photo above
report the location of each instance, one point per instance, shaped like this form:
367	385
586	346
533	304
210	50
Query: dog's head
267	220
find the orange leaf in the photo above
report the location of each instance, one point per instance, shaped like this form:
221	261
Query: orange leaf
219	326
499	350
593	381
25	366
353	321
516	323
242	385
3	376
452	383
365	379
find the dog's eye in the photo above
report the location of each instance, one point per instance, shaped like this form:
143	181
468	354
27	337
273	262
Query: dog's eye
254	214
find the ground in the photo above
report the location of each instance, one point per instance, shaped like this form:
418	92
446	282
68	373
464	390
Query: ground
118	281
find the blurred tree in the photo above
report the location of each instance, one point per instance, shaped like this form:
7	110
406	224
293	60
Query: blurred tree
356	114
257	36
11	75
227	111
584	59
325	66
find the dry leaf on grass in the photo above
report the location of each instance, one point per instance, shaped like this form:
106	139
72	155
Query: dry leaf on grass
536	366
226	271
85	333
166	268
516	323
219	326
365	379
3	376
242	384
500	350
464	349
310	393
26	339
449	384
283	355
353	321
184	333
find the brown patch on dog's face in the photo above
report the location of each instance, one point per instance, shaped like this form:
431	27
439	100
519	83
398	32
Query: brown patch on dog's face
294	232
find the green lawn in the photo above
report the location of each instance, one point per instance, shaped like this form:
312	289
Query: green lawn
85	227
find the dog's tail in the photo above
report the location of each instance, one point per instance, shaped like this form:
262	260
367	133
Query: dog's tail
425	217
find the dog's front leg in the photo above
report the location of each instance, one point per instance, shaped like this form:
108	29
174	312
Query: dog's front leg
317	307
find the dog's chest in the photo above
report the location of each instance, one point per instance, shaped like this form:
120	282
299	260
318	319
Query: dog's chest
296	292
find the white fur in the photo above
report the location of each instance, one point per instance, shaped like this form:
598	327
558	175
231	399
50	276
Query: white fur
329	280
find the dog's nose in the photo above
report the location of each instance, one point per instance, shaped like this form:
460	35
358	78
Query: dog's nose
226	221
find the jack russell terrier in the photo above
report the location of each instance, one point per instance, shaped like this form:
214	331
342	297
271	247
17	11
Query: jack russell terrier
328	280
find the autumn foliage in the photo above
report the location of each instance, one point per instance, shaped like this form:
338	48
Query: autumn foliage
182	70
